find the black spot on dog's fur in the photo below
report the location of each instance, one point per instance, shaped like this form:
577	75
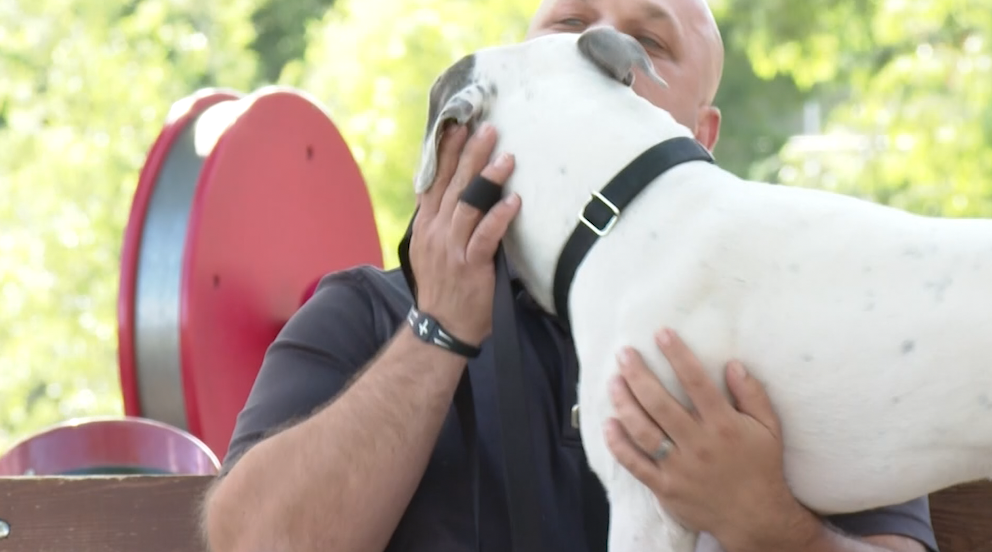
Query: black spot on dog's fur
939	287
984	401
908	346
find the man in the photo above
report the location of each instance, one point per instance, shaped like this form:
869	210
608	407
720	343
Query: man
349	442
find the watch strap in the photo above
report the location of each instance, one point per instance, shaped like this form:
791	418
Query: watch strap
426	328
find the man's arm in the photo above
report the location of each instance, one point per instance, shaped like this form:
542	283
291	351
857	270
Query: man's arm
812	534
341	479
895	543
835	542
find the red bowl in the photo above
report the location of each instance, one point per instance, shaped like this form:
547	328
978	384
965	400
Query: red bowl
109	446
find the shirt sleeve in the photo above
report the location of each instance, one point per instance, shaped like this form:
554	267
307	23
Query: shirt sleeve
910	519
322	346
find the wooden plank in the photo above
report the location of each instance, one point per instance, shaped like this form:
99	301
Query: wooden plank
102	513
160	514
962	518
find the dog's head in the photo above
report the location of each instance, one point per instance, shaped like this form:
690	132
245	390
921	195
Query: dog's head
464	92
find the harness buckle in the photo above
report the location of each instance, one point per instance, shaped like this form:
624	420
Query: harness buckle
609	223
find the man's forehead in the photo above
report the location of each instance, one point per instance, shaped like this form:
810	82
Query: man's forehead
652	9
656	9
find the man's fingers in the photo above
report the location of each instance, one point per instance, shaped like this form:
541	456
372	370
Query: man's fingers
466	217
491	229
627	453
643	431
474	157
666	412
751	397
701	389
448	154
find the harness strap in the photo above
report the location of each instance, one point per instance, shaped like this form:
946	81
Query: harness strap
603	209
523	498
465	407
522	485
516	432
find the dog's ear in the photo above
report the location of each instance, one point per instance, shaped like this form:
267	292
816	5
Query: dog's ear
455	97
617	54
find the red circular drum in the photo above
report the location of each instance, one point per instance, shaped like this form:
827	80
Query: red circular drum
247	203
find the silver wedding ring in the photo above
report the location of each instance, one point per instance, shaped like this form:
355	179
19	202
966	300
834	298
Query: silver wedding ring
663	450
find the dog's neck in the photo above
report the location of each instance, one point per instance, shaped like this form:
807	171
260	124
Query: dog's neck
570	132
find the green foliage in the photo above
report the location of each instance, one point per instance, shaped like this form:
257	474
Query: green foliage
913	128
86	87
758	114
281	33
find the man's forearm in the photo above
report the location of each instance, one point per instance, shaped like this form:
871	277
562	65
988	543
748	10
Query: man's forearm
834	541
807	533
341	479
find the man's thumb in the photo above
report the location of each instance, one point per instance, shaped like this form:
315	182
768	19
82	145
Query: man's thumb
750	396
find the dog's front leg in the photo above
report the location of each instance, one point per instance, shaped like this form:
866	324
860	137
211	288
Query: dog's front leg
638	523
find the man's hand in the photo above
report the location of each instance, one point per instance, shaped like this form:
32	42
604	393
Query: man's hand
724	475
453	244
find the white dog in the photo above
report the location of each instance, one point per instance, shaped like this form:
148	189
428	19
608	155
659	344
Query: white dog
867	325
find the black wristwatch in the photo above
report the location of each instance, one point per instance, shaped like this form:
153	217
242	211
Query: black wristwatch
429	330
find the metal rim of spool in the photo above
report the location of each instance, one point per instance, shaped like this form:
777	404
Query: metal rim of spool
156	175
264	198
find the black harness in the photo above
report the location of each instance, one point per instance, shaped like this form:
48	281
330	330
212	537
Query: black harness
596	220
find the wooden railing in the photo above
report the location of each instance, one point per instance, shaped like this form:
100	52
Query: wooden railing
160	514
962	518
102	513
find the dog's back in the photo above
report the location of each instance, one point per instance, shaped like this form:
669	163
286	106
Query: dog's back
866	325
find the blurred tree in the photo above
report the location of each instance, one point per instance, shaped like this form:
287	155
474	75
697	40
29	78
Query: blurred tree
281	37
86	85
758	114
912	124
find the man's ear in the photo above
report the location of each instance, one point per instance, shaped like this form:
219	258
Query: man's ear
617	54
454	99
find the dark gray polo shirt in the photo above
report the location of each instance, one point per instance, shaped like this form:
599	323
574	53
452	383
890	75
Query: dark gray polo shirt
351	316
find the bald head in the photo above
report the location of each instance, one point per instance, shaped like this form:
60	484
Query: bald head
682	38
710	45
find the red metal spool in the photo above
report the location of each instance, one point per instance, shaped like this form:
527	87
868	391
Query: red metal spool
261	199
